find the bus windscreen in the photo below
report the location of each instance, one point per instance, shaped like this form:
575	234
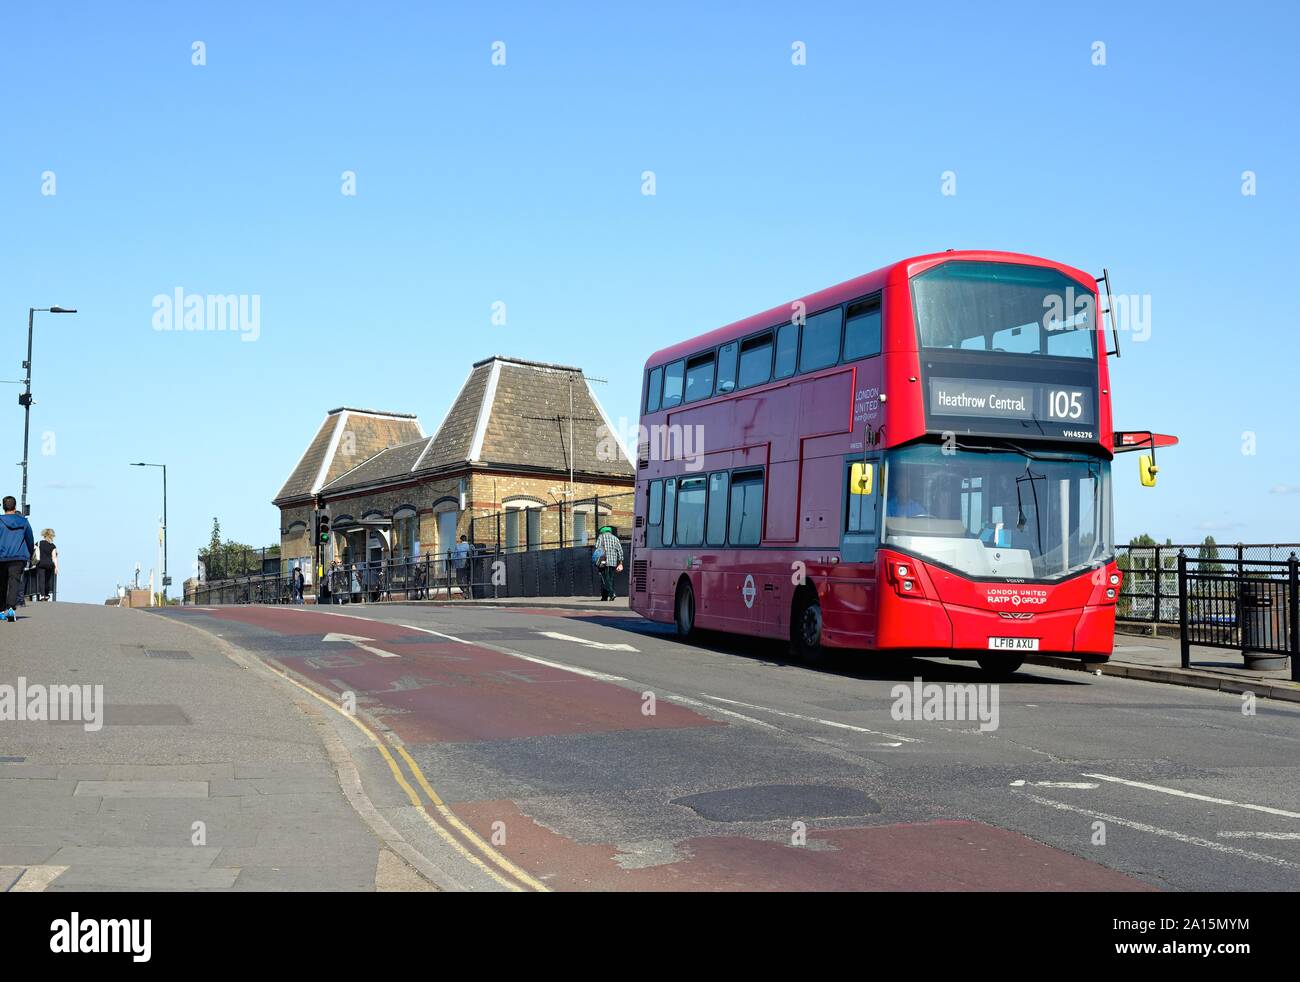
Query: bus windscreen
1004	307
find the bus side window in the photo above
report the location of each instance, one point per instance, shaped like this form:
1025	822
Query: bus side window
821	340
699	377
670	509
716	531
672	385
655	516
653	389
862	331
787	350
690	511
746	524
756	360
727	367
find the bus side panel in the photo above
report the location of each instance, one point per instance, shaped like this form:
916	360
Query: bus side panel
849	608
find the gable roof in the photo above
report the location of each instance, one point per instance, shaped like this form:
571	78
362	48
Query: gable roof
509	414
346	438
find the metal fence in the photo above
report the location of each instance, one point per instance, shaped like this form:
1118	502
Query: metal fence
1250	605
1149	591
557	525
485	575
228	564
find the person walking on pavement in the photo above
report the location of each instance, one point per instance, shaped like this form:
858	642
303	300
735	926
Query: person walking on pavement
47	565
460	557
609	560
16	545
296	583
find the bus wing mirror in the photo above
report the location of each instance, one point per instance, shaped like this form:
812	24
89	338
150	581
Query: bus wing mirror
860	478
1147	470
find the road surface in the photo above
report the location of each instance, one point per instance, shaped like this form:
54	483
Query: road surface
562	750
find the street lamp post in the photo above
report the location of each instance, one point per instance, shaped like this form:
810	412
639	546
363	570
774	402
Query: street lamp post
25	400
166	580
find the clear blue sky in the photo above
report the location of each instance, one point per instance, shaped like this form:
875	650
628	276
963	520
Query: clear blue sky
478	183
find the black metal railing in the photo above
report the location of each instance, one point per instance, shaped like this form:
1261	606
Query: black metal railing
483	575
1251	605
1149	591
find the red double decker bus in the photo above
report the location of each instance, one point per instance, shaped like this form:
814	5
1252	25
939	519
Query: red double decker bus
917	460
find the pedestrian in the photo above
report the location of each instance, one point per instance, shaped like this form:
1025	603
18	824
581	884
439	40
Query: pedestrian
16	545
460	557
608	556
296	584
47	566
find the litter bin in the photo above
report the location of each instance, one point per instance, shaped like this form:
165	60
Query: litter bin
1263	627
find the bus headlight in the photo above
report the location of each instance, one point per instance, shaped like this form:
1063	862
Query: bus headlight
1114	579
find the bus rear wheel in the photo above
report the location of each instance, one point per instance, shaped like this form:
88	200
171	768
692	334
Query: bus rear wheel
806	630
1000	666
685	611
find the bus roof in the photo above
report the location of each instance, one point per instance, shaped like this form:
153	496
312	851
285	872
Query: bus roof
860	286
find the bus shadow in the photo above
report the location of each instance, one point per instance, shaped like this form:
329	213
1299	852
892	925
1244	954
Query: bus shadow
860	665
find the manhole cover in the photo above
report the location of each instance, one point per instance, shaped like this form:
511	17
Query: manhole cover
774	801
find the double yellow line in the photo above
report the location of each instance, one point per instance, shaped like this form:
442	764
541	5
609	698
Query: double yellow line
506	873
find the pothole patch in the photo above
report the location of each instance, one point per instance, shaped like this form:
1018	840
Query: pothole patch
780	801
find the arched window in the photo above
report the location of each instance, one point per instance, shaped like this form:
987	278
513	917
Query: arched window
523	521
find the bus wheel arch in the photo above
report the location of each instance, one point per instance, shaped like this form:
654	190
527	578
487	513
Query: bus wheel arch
684	607
806	625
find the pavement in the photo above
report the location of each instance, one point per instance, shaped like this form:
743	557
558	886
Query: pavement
203	775
543	748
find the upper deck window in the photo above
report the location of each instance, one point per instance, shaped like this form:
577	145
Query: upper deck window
787	348
673	385
1004	307
756	360
862	330
699	377
653	389
821	341
727	367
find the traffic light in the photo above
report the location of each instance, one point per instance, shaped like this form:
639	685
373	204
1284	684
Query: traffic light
323	529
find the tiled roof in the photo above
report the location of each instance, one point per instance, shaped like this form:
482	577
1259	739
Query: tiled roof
508	413
345	439
529	422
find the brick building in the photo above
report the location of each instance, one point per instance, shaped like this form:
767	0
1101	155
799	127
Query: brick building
522	460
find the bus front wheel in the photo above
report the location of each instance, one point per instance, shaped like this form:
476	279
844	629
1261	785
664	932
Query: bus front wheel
685	608
1000	666
806	630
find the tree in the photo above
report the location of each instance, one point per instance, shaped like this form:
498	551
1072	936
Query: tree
224	560
1207	557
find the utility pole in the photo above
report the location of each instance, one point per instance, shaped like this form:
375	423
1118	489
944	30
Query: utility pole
25	400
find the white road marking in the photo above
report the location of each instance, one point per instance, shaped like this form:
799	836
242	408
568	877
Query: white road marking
815	719
586	673
1196	797
1079	785
696	704
360	643
35	879
425	630
1190	840
1286	836
556	636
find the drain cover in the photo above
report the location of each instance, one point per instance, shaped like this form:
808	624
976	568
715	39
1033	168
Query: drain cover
773	801
168	653
12	760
